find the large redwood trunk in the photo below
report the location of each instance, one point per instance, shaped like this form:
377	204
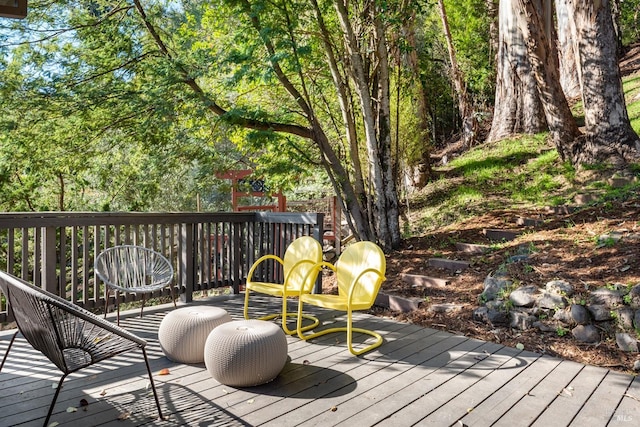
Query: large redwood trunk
569	77
536	29
609	136
517	106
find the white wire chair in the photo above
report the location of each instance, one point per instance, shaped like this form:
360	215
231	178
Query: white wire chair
133	269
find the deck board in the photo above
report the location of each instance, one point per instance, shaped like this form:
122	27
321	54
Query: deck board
419	376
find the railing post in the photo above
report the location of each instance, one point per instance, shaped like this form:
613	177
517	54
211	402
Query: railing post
318	234
49	260
187	261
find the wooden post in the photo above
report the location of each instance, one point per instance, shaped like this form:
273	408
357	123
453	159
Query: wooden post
49	260
187	260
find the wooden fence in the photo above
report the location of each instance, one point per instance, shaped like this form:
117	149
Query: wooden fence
57	250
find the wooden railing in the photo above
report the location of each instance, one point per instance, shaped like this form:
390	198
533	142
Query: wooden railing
56	251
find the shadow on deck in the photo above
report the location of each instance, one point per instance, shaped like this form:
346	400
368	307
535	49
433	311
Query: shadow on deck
419	376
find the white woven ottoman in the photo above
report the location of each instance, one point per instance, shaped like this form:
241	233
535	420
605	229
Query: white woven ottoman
246	353
184	331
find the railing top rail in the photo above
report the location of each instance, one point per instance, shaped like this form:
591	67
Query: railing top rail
44	219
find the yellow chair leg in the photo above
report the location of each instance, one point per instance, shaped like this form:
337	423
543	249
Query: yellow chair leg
349	329
314	321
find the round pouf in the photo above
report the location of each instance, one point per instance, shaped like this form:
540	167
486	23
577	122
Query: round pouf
245	353
184	331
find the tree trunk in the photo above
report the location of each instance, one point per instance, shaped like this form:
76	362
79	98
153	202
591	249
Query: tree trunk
517	106
424	169
390	201
346	108
544	63
569	76
492	12
465	108
609	136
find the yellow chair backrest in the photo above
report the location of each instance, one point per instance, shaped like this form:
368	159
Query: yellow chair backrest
300	257
362	263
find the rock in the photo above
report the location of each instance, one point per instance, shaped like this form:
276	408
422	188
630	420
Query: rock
606	297
546	326
517	258
552	300
625	317
636	320
564	316
524	296
627	343
636	365
580	314
495	304
521	320
586	333
489	316
634	296
560	287
600	312
444	308
493	286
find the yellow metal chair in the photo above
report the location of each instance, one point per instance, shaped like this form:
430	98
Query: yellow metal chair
360	272
298	264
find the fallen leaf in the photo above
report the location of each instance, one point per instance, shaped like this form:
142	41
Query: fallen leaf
520	346
306	362
97	340
164	371
334	408
224	390
83	402
124	416
53	424
251	401
103	392
72	409
469	410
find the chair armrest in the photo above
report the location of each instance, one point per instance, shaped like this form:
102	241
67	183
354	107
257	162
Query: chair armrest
89	317
356	282
259	261
306	286
73	309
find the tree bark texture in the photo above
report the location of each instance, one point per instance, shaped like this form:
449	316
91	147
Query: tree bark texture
569	77
517	105
544	63
609	136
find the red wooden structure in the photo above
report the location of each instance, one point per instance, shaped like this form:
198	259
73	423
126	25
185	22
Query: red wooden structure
237	178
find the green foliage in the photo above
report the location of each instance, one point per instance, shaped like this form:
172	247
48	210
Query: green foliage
469	24
629	24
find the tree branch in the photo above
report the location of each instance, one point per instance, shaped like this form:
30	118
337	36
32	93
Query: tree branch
210	103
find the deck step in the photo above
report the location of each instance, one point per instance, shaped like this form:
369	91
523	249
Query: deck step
397	303
416	280
528	222
494	234
448	264
473	249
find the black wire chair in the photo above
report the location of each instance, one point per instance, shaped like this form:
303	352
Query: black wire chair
71	337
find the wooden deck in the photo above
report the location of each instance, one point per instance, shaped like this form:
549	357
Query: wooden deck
418	377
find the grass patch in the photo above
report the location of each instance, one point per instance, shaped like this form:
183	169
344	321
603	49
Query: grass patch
520	172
